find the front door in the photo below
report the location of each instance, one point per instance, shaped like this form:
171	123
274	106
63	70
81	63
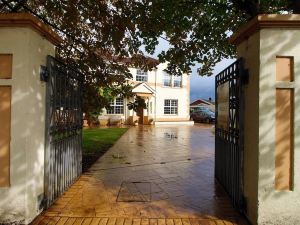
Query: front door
140	114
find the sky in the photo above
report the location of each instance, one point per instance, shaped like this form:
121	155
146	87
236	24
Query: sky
204	87
201	87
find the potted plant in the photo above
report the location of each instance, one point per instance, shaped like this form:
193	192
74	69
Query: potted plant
151	122
138	103
103	120
93	119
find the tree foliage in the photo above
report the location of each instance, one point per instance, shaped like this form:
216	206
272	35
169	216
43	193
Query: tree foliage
99	35
198	31
138	103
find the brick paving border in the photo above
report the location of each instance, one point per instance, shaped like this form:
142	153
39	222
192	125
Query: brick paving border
48	220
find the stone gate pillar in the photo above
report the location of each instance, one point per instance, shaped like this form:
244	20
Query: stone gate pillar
270	45
25	43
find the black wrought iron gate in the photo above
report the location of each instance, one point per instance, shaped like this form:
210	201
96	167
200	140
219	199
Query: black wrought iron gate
229	131
63	155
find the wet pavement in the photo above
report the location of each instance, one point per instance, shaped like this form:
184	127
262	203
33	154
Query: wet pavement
163	173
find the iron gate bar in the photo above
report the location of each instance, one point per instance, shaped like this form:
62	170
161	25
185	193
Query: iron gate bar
229	144
63	155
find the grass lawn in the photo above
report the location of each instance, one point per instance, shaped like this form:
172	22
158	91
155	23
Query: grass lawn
96	142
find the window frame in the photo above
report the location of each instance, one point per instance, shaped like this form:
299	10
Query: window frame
116	109
165	75
175	79
141	75
172	107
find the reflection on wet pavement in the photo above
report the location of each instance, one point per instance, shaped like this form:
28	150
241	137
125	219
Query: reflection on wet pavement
164	172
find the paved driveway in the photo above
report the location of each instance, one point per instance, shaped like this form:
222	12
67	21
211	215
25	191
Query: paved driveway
151	172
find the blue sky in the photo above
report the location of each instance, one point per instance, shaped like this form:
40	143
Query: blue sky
201	87
204	87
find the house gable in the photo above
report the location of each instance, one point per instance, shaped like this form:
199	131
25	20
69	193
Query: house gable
143	88
200	102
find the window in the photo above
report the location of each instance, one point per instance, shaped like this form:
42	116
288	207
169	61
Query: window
141	75
116	106
171	106
167	80
177	81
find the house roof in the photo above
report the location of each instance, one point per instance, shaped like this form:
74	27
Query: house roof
143	88
201	101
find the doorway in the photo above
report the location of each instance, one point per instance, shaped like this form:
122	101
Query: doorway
140	114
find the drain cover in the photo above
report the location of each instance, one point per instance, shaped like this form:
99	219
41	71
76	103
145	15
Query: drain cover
135	192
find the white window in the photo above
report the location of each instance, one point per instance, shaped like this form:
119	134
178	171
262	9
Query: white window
167	80
116	106
141	75
171	106
177	81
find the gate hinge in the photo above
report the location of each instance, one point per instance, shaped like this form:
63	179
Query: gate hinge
44	74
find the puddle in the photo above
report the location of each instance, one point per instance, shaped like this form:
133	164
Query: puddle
171	135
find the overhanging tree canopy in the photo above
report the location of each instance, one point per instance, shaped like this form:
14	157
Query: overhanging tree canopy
99	34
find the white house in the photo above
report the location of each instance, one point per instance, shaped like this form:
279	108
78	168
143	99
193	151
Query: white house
167	98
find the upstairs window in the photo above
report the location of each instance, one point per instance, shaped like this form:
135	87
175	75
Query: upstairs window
167	80
141	75
116	106
177	81
171	107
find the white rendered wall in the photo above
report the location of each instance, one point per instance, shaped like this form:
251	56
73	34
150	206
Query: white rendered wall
155	81
182	94
29	49
265	204
249	50
277	207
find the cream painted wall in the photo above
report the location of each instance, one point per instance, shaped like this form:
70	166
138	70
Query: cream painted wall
151	82
182	94
155	81
151	75
277	207
249	50
265	204
29	49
